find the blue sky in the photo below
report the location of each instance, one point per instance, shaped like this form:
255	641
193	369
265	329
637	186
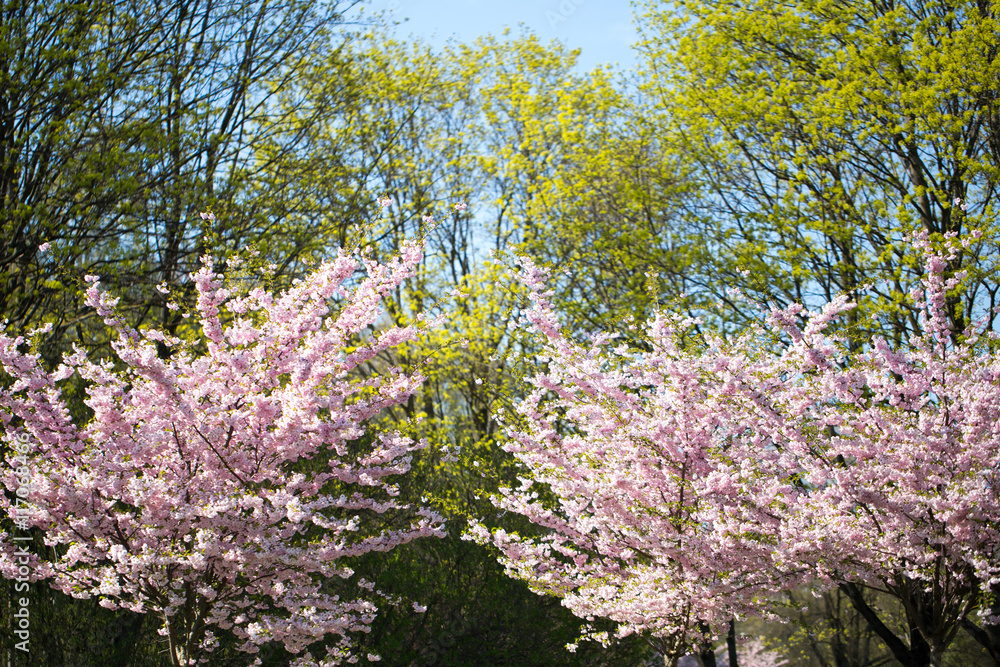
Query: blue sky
602	29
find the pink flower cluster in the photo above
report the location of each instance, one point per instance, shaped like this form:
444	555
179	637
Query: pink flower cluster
227	484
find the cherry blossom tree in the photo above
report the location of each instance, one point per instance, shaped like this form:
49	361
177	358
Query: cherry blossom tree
228	484
682	484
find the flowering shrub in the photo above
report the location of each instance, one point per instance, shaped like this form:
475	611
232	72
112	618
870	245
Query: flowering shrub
685	483
226	485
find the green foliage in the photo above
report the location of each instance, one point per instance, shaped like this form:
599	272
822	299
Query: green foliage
121	121
821	134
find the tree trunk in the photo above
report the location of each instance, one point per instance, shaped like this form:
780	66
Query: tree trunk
918	654
707	658
731	644
987	635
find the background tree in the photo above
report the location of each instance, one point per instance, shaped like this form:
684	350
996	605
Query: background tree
120	121
609	209
819	134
